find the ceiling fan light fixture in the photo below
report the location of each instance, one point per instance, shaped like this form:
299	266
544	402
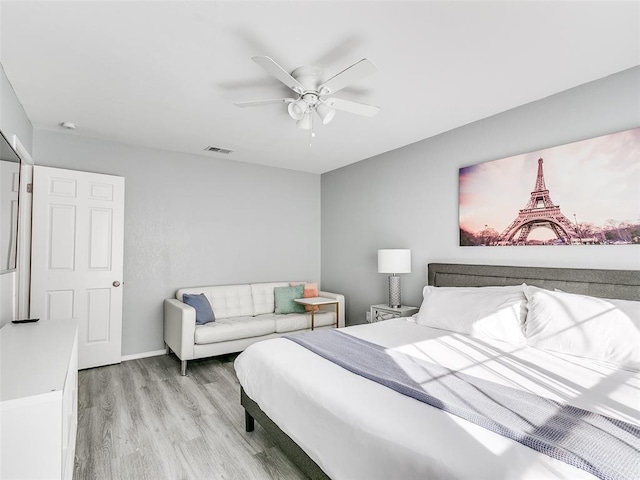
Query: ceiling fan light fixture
326	113
305	122
297	109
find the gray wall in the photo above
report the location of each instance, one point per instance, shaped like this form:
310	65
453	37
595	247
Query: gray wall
408	198
192	220
13	121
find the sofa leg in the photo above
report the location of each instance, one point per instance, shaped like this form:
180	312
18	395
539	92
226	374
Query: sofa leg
168	349
183	368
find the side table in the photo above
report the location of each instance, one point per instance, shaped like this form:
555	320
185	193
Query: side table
316	302
385	312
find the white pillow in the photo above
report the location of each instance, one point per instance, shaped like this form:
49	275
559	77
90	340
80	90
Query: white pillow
589	327
486	312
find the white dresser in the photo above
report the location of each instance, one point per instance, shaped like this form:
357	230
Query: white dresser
38	399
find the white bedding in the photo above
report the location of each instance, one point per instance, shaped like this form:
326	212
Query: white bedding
354	428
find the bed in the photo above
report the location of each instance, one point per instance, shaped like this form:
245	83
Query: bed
335	424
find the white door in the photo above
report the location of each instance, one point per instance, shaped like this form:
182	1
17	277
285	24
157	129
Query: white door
77	256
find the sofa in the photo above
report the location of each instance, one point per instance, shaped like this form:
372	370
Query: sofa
244	314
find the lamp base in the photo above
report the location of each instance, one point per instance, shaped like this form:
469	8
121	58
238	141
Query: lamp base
394	291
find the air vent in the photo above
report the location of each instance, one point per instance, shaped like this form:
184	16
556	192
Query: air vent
226	151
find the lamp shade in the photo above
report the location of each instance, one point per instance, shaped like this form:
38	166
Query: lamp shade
394	260
305	122
326	113
297	109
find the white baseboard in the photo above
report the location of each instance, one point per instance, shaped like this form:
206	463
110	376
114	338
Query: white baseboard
136	356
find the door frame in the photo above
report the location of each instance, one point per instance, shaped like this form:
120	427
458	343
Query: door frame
25	206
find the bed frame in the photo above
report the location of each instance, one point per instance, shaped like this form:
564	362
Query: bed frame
621	284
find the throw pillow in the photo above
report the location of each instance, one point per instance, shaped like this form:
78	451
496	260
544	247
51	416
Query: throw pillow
284	299
310	291
204	312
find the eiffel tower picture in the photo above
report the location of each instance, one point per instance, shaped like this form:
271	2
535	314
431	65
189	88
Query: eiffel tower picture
540	211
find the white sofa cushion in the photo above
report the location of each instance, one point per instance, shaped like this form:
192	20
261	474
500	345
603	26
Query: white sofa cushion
263	298
227	301
236	328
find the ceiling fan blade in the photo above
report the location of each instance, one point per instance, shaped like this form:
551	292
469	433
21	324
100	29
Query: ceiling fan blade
280	73
352	107
258	103
346	77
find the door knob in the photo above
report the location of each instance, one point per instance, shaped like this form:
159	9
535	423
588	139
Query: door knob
116	283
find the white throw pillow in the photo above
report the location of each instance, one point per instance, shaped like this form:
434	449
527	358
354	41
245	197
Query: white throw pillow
589	327
486	312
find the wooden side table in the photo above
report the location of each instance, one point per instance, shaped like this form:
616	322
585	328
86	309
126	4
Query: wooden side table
383	311
316	302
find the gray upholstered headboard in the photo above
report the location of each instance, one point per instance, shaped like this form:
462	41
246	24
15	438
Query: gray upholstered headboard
624	284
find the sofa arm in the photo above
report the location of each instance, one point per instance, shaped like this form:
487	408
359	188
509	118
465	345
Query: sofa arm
179	328
331	308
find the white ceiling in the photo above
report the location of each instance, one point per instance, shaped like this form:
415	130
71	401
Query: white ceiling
165	74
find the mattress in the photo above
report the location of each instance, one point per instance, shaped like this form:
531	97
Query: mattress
354	428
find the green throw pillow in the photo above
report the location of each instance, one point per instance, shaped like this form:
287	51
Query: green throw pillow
284	297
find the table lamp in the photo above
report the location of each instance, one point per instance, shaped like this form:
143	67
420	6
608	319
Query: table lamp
394	261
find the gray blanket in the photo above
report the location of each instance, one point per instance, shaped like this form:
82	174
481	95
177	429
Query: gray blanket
606	447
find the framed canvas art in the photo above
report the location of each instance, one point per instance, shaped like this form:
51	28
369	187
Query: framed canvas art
582	193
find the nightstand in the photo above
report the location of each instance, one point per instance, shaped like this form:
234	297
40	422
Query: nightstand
385	312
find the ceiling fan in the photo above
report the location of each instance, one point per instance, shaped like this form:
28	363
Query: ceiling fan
311	91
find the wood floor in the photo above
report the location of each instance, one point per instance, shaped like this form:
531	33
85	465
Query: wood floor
142	420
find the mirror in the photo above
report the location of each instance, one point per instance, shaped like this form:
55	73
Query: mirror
9	188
